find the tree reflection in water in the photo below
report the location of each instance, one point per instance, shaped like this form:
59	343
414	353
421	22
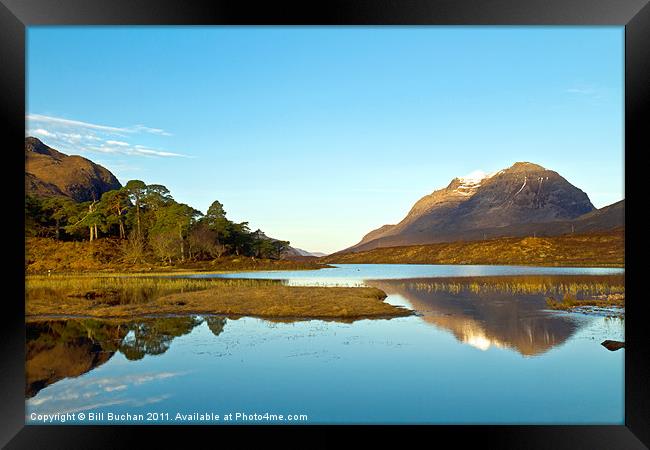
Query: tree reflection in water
58	349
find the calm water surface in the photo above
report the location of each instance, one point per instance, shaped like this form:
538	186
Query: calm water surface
467	358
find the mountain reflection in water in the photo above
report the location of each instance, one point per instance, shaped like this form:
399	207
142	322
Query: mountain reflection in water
484	319
58	349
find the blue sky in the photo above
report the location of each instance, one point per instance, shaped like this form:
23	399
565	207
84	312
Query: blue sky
317	135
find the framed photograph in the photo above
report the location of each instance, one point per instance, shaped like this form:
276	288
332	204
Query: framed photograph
271	217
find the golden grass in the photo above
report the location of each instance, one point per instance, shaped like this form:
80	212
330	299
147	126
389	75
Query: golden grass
570	302
290	301
114	297
559	285
587	250
113	290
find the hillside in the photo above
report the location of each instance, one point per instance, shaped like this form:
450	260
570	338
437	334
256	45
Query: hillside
580	250
605	219
49	172
109	255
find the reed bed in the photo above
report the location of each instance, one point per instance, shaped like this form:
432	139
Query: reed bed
570	302
579	286
130	297
126	290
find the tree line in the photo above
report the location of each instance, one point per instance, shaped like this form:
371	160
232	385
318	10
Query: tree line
150	223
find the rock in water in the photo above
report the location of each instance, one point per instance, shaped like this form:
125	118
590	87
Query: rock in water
613	345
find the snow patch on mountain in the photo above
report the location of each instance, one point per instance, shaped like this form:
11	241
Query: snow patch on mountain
474	177
472	181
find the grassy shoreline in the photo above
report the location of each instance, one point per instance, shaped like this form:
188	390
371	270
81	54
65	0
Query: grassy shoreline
571	303
156	296
126	297
153	270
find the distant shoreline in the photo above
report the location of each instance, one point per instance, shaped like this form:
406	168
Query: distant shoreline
584	250
598	250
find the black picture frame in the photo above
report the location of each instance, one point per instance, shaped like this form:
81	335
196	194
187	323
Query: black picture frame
16	15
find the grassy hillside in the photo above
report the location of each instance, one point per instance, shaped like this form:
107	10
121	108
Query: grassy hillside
109	255
592	249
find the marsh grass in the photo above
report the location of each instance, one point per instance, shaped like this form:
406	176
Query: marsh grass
579	286
570	302
128	297
123	290
562	292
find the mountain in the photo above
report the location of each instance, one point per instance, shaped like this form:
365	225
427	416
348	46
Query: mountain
49	172
608	218
295	251
504	203
290	252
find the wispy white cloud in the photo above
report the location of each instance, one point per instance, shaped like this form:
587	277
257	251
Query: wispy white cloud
151	130
42	132
587	90
121	149
120	387
150	151
120	143
72	123
41	118
76	136
121	165
584	91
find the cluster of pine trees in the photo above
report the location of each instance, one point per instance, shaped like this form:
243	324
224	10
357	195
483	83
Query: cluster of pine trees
150	223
